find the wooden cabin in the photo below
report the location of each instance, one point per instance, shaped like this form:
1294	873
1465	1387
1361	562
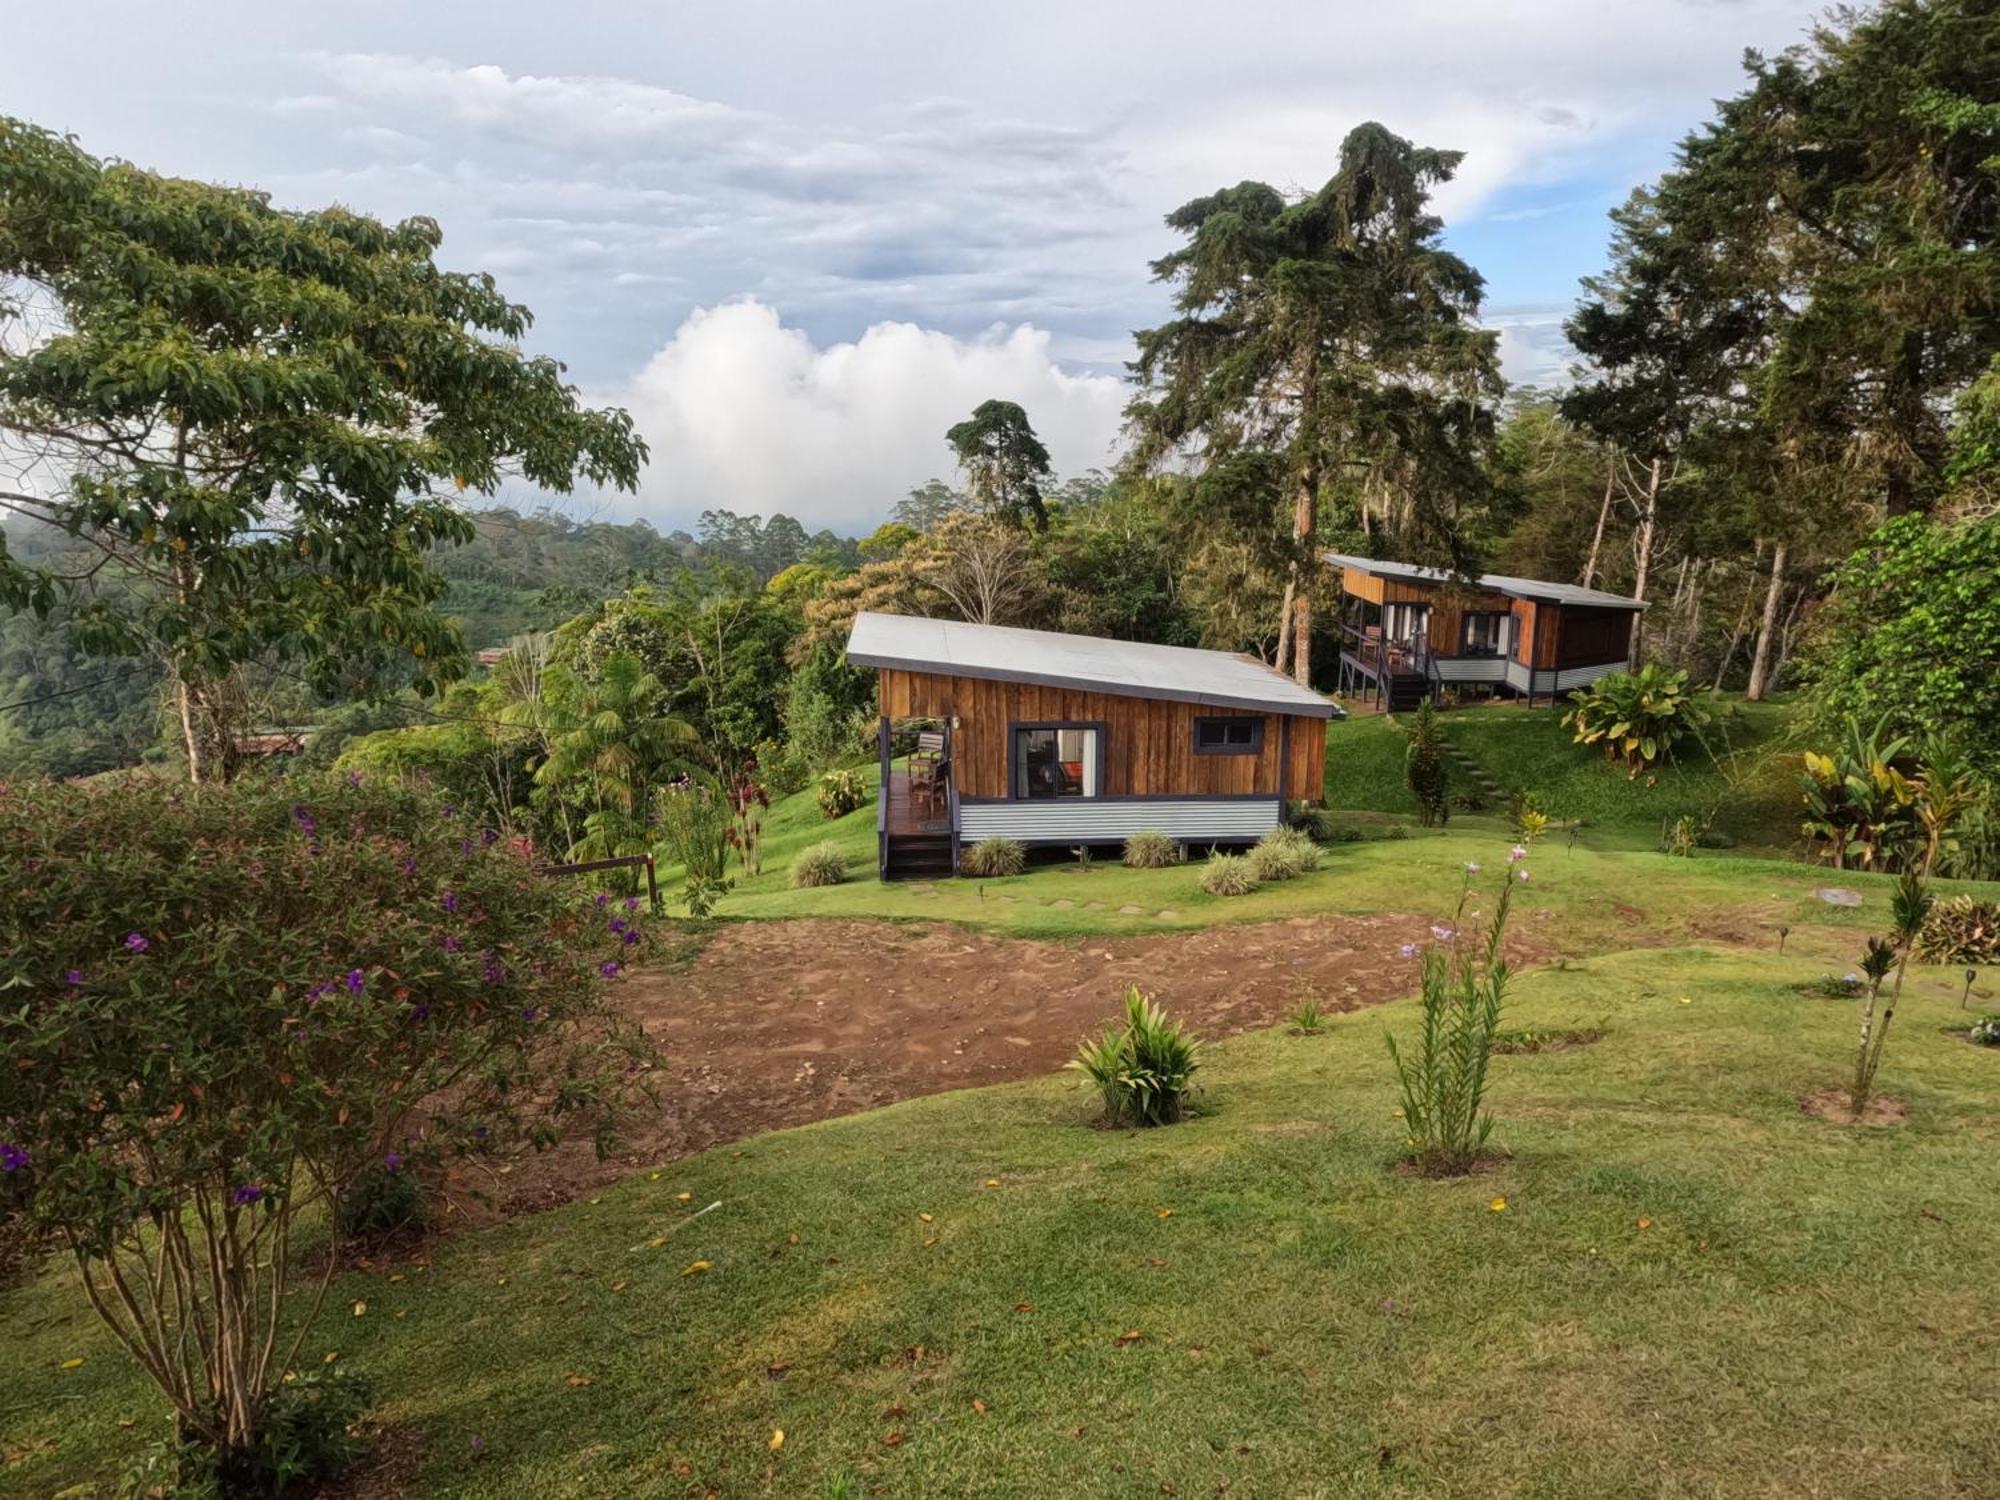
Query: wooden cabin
1074	740
1408	633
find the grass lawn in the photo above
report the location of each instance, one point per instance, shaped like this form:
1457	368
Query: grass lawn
1749	784
1692	1289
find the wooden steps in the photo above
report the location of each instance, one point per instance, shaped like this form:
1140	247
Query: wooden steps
919	856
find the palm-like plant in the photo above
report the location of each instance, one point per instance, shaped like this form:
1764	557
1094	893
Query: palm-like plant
1859	802
610	744
1638	718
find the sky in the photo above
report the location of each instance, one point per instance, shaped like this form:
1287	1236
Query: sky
798	239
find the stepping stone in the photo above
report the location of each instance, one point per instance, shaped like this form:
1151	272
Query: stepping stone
1838	895
1093	906
1131	911
1063	904
1166	916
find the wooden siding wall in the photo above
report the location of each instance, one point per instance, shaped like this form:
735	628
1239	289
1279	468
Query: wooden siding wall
1148	742
1591	637
1448	612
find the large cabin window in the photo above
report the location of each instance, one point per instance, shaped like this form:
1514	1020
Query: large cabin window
1231	736
1485	634
1058	760
1404	623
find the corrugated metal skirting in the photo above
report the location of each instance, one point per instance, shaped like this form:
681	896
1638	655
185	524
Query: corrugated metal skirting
1095	820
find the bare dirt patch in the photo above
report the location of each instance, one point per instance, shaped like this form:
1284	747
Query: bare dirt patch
780	1023
1831	1105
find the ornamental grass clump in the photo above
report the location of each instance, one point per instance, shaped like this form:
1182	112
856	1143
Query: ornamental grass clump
1150	850
1143	1070
1294	846
819	864
229	1010
1228	875
994	859
1443	1081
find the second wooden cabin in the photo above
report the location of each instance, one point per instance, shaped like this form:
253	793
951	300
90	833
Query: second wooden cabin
1409	632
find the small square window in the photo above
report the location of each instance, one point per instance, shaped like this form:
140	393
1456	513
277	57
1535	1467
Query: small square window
1228	736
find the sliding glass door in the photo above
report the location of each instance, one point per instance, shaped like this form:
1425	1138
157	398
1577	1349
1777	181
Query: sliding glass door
1058	760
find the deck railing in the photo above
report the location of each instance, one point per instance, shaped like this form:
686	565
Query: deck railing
1380	657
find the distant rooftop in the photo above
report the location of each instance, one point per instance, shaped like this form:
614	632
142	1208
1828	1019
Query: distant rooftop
1499	583
1131	669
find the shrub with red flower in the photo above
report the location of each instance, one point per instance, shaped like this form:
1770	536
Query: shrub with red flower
226	1007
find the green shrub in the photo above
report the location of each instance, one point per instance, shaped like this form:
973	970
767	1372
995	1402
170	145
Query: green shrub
841	792
1303	852
820	864
1986	1032
1272	862
1961	930
310	1434
384	1199
1142	1071
993	859
1444	1083
1227	875
1640	718
1153	851
275	978
696	824
1425	767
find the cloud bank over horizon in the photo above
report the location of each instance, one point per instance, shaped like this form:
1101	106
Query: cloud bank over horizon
859	224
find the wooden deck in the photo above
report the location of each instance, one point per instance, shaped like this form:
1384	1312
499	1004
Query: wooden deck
907	817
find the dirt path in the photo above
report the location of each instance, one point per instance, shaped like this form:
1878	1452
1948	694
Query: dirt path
778	1023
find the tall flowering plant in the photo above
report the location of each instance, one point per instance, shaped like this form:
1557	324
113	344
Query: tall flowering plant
1443	1079
221	1008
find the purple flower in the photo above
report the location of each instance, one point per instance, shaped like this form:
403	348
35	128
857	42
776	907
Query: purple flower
609	968
619	924
355	980
409	865
602	897
451	902
247	1194
1516	854
354	778
450	810
1408	950
452	944
325	987
1444	932
75	977
392	1163
1472	867
136	942
465	846
419	1011
14	1158
631	935
528	1012
489	836
631	903
303	817
493	973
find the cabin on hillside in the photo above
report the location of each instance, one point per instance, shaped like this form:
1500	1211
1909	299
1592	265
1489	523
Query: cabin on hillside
1074	740
1408	633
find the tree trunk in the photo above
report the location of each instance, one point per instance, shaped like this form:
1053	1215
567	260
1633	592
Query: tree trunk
1760	656
1603	512
1643	560
1285	624
1302	534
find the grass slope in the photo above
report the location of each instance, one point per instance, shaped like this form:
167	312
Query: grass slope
1748	784
934	1299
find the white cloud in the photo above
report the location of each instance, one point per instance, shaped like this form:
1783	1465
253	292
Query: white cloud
745	413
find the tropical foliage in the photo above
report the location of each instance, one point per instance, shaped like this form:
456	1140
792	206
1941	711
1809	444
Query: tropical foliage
1144	1069
1639	719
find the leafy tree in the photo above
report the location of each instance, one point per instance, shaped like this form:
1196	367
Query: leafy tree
1911	630
1334	333
1425	767
260	421
609	748
225	1010
1004	462
926	505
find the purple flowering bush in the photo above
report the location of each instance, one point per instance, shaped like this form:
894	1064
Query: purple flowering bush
224	1009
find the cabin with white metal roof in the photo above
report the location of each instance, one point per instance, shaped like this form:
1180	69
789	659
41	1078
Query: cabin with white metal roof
1077	740
1408	633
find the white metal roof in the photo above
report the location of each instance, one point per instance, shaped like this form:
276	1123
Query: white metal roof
1499	583
1130	669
